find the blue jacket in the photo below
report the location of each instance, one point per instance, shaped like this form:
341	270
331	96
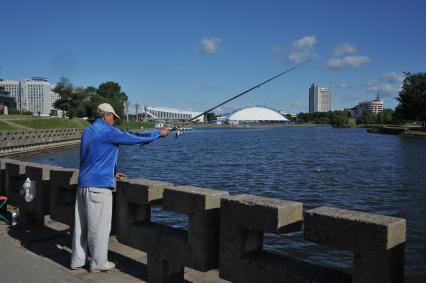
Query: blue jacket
99	150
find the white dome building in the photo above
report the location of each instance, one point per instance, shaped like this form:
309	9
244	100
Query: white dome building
254	115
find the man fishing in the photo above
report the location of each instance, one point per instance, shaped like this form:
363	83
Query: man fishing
98	158
93	207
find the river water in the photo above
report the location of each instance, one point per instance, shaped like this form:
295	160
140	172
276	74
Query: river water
319	166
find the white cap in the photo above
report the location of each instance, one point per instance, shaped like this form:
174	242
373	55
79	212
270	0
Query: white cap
107	108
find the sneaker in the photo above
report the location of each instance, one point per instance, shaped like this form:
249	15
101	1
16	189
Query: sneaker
108	267
77	267
81	266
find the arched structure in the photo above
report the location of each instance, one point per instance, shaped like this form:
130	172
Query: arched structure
256	114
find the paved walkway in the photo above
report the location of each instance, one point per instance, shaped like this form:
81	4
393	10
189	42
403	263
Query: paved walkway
19	265
43	255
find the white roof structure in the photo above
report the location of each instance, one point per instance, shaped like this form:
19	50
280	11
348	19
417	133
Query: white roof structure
256	114
168	113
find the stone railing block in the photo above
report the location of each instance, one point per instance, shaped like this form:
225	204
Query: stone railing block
3	162
243	221
133	206
14	178
142	191
35	210
377	241
63	188
353	230
189	199
202	207
264	214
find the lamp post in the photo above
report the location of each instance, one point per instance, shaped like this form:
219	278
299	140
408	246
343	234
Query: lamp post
69	113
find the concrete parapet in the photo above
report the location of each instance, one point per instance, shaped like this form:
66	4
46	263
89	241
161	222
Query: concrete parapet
63	187
377	241
170	249
35	210
244	220
14	178
3	174
203	209
223	231
134	200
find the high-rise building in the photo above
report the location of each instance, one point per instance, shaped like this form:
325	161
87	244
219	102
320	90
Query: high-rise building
33	95
319	99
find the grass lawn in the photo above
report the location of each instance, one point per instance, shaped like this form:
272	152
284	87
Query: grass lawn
132	125
15	116
5	127
52	123
59	123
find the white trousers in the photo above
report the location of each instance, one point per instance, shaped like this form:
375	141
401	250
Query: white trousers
92	226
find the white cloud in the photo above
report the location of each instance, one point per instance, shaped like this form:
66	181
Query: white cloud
347	62
297	52
306	42
344	85
387	85
344	48
209	45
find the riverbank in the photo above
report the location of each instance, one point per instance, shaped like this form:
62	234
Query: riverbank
398	130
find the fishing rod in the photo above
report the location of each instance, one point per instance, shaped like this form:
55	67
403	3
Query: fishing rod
179	126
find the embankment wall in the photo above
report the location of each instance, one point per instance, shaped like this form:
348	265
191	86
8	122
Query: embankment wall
13	142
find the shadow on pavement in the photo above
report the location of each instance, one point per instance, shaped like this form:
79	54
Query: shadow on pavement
56	246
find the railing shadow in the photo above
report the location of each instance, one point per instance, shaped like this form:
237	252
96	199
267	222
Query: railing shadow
56	246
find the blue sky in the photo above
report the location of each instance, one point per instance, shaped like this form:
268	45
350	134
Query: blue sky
194	54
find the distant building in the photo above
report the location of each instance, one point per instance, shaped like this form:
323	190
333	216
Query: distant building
220	120
14	90
6	101
33	95
319	99
169	114
375	106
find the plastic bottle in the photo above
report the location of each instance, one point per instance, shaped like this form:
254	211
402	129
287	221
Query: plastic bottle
14	217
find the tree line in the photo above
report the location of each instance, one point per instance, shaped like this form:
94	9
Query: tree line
342	118
412	99
411	108
82	101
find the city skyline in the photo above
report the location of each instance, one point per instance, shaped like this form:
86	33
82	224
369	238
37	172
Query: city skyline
193	55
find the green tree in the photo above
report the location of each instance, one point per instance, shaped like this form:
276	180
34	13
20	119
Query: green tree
339	118
71	99
388	115
412	98
112	92
367	118
303	118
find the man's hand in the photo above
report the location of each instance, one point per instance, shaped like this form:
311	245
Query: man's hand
164	132
120	176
